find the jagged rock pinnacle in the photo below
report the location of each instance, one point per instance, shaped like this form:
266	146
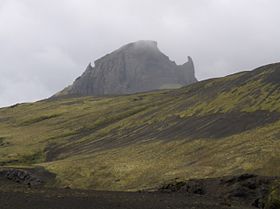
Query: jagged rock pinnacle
135	67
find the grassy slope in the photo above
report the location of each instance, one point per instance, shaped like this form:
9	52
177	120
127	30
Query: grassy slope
273	200
213	128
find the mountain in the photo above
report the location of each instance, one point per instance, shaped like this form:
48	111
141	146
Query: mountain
135	67
214	128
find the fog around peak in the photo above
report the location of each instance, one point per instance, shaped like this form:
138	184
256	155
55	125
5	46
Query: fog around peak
45	45
145	43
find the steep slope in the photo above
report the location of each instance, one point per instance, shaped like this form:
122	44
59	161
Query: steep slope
135	67
218	127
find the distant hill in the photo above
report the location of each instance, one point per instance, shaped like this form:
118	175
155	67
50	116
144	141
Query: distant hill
218	127
135	67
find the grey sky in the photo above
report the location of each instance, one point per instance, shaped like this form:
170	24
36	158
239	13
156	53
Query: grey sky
46	44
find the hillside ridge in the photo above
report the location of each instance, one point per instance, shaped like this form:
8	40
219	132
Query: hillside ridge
219	127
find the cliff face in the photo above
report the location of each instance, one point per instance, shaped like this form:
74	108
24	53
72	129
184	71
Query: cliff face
135	67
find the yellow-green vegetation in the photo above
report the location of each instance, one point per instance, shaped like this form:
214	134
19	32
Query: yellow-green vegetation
219	127
273	201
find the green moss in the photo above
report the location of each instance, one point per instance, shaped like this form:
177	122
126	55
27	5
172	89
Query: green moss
38	119
24	160
35	158
3	141
273	201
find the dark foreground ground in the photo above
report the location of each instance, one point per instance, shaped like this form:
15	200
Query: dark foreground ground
109	200
234	192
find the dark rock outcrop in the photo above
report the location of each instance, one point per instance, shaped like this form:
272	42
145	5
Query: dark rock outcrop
136	67
31	177
20	176
248	188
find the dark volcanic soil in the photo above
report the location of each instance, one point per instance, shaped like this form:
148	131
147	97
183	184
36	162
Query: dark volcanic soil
236	192
107	200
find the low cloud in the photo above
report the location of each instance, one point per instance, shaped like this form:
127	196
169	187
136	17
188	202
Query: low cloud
45	45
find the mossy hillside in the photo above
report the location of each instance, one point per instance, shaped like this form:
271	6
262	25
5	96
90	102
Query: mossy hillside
62	120
142	140
147	165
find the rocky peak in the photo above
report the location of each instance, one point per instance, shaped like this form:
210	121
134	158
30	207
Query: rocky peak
135	67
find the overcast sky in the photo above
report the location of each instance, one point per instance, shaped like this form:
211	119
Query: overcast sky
46	44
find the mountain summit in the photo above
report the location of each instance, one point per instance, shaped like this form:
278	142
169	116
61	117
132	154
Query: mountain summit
135	67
